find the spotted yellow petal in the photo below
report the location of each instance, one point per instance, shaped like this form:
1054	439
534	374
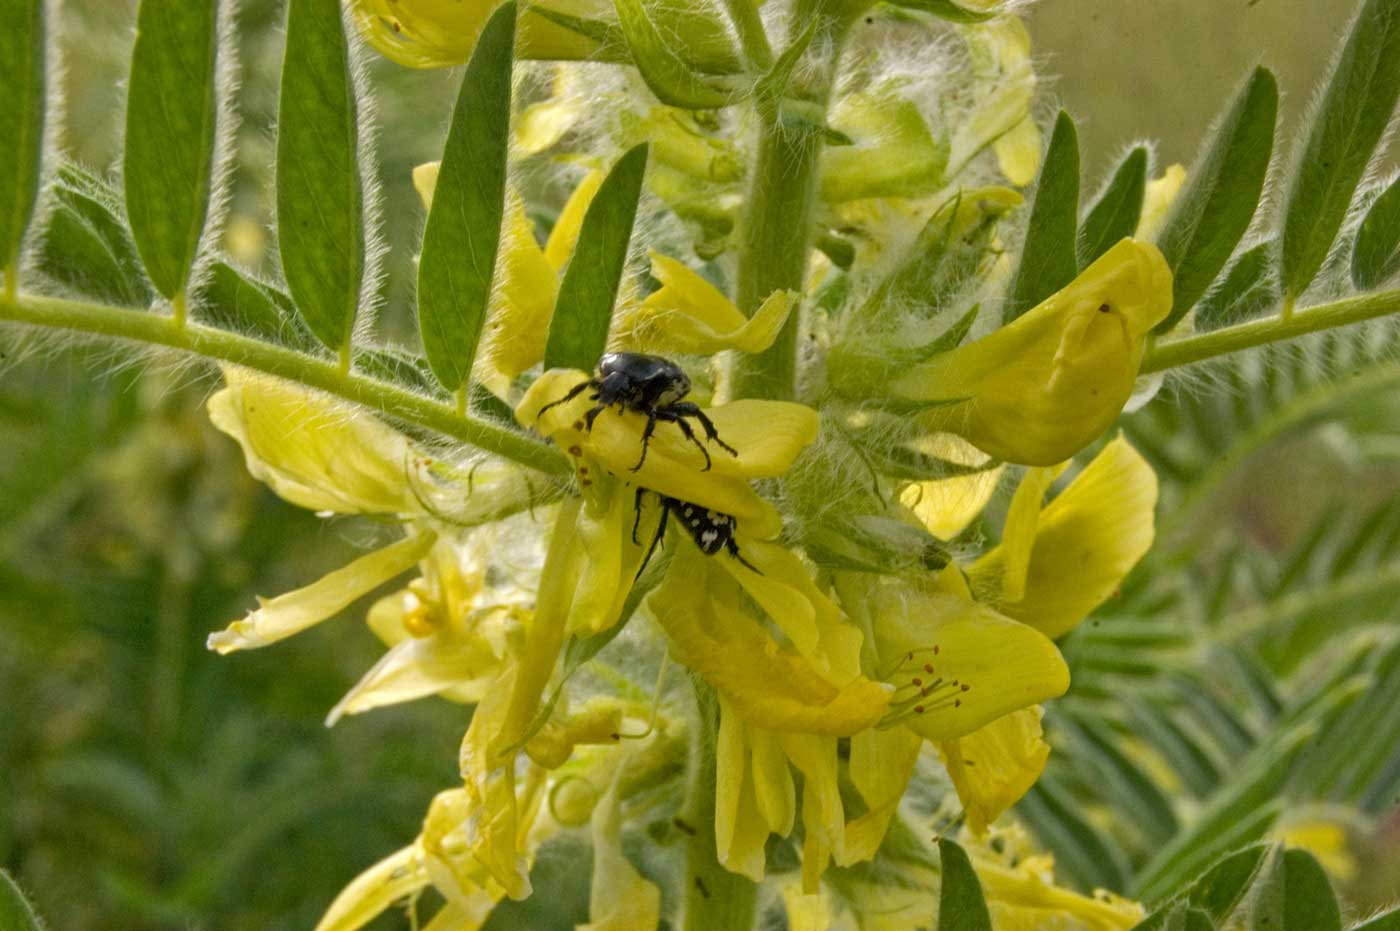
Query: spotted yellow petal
1042	387
1085	542
957	665
995	765
689	315
278	618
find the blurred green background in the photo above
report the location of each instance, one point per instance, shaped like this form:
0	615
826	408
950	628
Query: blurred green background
149	784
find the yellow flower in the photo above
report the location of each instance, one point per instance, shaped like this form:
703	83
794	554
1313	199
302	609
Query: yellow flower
689	315
947	505
517	321
1045	385
1019	884
1001	53
620	899
1059	563
438	33
1157	201
767	434
894	154
446	632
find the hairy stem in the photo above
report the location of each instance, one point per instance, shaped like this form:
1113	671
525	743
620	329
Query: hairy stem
776	230
1192	349
715	898
752	36
322	374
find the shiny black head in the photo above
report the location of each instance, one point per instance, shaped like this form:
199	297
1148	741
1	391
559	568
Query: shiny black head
640	382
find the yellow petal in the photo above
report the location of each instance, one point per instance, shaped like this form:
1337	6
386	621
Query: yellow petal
688	315
882	763
823	815
566	228
620	899
1157	201
417	667
517	322
611	557
542	124
312	451
597	721
956	664
1018	536
396	877
493	832
425	178
947	505
440	33
1042	387
740	829
995	765
773	787
769	686
278	618
1086	541
806	912
1018	152
894	154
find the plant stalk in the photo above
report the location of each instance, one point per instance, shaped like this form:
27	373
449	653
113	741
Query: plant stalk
322	374
1192	349
715	898
776	232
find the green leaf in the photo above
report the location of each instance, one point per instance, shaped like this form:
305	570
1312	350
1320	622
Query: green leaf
1124	781
947	9
463	234
1212	214
1354	112
171	117
1308	902
1224	885
22	98
670	77
578	332
231	300
1247	290
1048	260
960	901
1389	921
320	194
1115	214
1375	257
86	244
1091	858
16	914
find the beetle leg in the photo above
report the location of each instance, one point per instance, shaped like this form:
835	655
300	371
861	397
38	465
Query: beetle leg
660	532
637	516
690	409
733	549
646	437
670	415
573	393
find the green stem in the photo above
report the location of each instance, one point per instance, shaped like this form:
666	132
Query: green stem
715	898
322	374
1192	349
776	231
752	36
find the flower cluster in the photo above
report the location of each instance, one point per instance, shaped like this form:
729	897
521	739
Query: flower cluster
815	564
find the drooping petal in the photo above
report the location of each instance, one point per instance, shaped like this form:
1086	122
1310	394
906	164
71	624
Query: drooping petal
740	829
995	765
1085	542
313	451
823	815
1045	385
397	876
689	315
769	686
492	832
620	899
957	664
882	763
773	786
278	618
416	667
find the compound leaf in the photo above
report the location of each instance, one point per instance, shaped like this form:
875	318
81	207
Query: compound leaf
1115	214
1048	259
960	901
1375	258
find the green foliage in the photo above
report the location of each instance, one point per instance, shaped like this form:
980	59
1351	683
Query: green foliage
23	81
171	131
1247	290
320	189
578	331
1048	257
463	232
1375	257
960	901
662	66
1213	212
1115	214
1351	118
87	245
16	914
